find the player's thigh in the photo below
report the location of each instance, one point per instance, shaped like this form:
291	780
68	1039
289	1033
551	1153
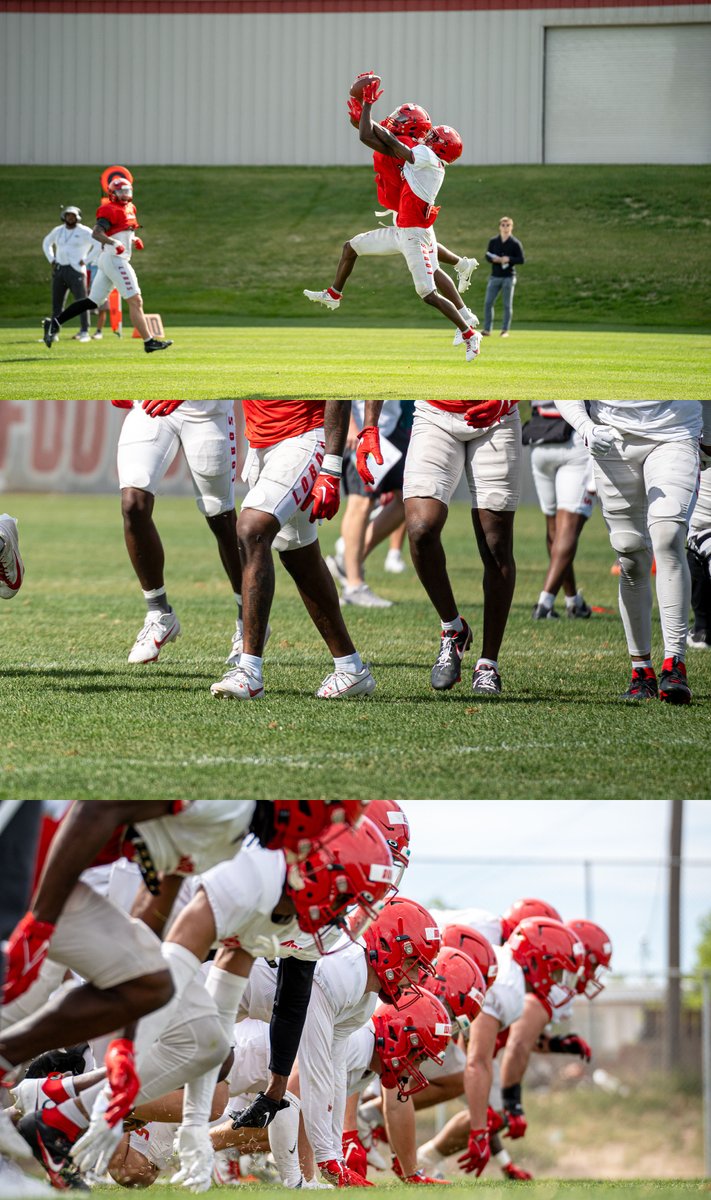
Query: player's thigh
494	468
545	463
210	448
121	273
419	250
435	457
101	286
250	1070
376	242
621	489
146	449
671	475
103	944
281	481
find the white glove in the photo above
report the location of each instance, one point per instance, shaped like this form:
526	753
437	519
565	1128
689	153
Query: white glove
197	1158
95	1149
599	439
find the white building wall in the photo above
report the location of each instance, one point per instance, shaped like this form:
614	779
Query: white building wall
263	88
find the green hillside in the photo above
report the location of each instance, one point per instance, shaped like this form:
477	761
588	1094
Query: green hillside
606	246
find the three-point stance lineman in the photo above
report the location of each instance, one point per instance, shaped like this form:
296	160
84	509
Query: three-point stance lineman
115	229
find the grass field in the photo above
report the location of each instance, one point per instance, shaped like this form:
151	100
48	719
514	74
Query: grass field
295	360
666	1189
79	722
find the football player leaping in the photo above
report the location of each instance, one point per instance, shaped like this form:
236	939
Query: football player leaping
151	436
412	235
115	230
647	471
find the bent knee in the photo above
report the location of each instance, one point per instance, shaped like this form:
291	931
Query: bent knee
151	992
629	543
135	503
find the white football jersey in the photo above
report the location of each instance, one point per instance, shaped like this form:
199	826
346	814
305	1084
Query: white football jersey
426	174
359	1052
203	834
484	922
672	420
199	408
243	894
504	999
342	978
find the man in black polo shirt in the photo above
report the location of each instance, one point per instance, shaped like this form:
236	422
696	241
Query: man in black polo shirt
503	252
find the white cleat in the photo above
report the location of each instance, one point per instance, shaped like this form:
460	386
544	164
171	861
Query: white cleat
473	320
431	1161
238	684
472	346
362	597
394	563
336	567
12	568
158	630
342	685
238	644
465	268
82	337
97	337
323	297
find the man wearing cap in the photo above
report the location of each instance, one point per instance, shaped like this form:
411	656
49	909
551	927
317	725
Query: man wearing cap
65	248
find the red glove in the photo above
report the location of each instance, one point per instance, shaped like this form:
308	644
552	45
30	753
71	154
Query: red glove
26	951
495	1122
420	1177
338	1174
122	1079
514	1172
161	408
517	1126
122	403
368	443
119	248
478	1152
488	412
370	92
354	1153
324	497
570	1044
138	244
355	108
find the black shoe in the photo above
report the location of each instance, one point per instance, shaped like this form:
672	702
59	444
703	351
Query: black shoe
643	686
50	328
448	669
673	685
155	344
698	639
52	1148
582	612
541	613
486	682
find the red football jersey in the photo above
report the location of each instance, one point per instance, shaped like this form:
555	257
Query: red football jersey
453	406
268	422
120	216
388	176
413	211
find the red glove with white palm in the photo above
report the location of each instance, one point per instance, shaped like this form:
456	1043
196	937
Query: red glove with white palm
339	1175
324	499
354	1153
488	412
161	408
477	1154
26	951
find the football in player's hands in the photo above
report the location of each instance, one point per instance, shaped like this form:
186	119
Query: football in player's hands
361	82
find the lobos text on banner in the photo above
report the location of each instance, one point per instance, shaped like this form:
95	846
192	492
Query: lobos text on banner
70	446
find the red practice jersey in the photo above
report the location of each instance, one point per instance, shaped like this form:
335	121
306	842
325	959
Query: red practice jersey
119	216
388	175
453	406
268	422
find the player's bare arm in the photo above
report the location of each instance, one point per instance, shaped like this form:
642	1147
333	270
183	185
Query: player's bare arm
522	1040
86	829
385	141
154	911
336	417
99	235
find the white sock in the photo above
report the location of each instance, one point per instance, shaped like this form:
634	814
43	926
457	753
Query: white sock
575	601
431	1152
645	663
252	663
547	599
352	663
283	1142
488	662
455	626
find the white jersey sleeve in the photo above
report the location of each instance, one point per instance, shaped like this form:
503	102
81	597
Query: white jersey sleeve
243	894
671	420
480	919
202	834
504	999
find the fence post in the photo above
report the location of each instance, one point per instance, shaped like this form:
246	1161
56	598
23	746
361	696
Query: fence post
706	1068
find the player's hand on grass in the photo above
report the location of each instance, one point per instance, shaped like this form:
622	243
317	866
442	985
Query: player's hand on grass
354	1152
419	1177
25	954
570	1044
368	443
477	1154
161	408
488	412
122	1078
513	1172
599	439
259	1114
371	93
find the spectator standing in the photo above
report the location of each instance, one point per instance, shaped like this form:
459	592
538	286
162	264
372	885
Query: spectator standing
65	248
504	253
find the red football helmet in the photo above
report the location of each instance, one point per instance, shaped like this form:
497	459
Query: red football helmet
598	956
550	956
521	909
409	119
347	867
294	825
459	985
404	1039
476	946
445	141
395	828
120	190
402	943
